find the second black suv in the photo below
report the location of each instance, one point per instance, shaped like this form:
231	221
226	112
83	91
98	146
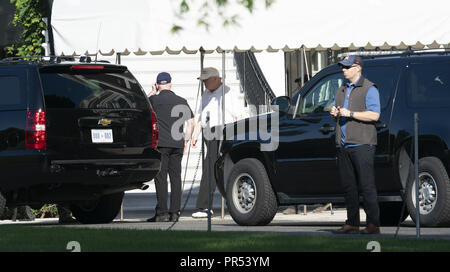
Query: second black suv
302	168
74	133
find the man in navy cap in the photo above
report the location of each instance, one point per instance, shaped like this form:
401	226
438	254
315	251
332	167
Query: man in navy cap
356	109
168	107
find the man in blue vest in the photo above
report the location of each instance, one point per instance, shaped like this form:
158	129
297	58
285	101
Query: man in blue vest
356	109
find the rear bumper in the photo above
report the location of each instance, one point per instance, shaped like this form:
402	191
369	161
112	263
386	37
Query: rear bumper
149	164
134	170
61	181
39	169
30	176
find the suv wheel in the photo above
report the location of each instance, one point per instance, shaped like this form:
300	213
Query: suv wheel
434	193
103	210
390	213
250	198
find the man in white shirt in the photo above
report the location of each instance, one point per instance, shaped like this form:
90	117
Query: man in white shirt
209	118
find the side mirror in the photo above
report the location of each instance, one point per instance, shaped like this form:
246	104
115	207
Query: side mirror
283	103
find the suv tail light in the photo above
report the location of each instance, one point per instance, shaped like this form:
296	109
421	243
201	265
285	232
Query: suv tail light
35	133
154	129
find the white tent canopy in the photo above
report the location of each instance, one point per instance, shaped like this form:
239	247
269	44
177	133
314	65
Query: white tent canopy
143	26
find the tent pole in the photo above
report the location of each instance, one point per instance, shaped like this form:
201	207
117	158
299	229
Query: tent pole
118	58
223	87
416	172
306	63
202	58
223	116
118	61
302	68
121	205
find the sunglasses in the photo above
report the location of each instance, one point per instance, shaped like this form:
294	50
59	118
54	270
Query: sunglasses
348	67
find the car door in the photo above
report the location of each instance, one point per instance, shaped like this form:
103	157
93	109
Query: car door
306	157
385	76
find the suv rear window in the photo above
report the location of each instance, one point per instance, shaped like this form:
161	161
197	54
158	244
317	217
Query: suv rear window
428	85
93	90
12	96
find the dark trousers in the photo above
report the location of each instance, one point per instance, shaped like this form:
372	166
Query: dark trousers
357	175
212	147
170	164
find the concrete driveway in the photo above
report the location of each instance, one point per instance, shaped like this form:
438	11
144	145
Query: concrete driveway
312	224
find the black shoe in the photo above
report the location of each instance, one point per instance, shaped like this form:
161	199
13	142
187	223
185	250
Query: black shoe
347	229
67	220
159	218
174	217
371	229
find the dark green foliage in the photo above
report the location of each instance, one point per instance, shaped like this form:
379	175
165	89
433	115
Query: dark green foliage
29	16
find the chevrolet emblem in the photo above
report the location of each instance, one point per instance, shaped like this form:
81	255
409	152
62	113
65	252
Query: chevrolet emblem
104	122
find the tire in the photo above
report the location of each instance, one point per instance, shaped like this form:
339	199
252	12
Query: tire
103	210
2	205
390	213
250	198
434	181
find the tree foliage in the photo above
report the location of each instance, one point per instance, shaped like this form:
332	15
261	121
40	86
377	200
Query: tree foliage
216	9
28	15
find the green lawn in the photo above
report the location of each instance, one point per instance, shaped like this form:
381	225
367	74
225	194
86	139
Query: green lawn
44	239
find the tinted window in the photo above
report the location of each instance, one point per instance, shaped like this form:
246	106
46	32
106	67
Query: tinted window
11	95
428	85
321	96
384	77
93	91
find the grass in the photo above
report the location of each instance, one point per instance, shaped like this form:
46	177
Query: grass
54	239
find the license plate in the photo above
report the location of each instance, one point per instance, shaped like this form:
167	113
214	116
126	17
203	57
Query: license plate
102	135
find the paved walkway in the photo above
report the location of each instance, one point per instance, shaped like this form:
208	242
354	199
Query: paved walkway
312	224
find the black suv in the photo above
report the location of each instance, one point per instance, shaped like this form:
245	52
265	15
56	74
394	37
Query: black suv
302	169
75	133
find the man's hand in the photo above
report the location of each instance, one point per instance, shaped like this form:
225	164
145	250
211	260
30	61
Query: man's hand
154	89
366	116
334	112
195	134
194	142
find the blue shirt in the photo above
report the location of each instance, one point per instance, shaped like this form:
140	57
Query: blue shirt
372	104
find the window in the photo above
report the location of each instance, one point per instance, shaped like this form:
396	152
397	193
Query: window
12	96
93	91
320	98
428	85
384	77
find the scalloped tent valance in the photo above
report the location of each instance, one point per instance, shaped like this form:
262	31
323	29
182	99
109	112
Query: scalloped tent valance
82	27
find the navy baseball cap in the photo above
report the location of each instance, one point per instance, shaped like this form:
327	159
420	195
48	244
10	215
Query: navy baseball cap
351	60
163	78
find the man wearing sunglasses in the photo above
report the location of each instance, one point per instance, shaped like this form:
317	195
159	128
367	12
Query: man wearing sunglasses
356	109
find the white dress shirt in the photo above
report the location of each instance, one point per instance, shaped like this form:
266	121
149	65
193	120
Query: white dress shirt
212	106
